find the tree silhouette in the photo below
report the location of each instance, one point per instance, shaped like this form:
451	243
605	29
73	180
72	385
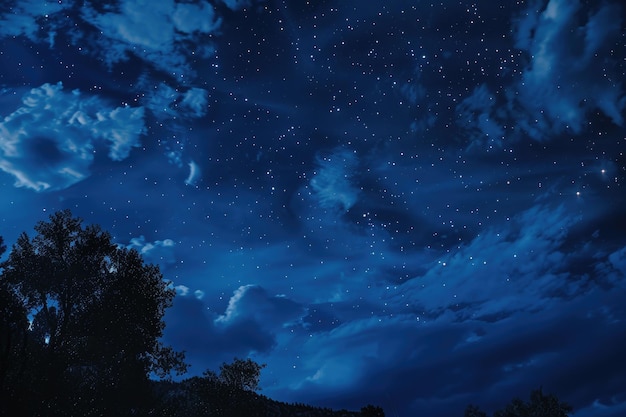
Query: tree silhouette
13	332
97	317
539	405
372	411
474	411
80	327
241	374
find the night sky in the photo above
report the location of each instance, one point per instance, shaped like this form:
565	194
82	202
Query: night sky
410	204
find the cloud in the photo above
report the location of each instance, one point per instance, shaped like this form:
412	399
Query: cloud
516	267
562	83
250	323
236	4
196	101
469	361
158	252
563	58
252	303
160	33
332	186
28	17
194	173
199	17
120	127
618	260
182	290
165	102
477	117
160	100
611	271
599	408
49	142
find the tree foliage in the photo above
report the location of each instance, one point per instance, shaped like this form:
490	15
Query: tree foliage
241	374
96	314
539	405
474	411
13	331
372	411
80	326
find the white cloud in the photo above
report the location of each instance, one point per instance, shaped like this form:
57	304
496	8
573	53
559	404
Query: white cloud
154	31
253	303
142	23
121	128
199	17
49	142
332	184
194	173
196	100
159	251
182	290
166	102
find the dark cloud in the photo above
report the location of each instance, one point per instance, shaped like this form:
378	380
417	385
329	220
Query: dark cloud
252	303
564	57
250	324
562	42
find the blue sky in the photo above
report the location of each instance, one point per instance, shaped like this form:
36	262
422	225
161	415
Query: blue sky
417	205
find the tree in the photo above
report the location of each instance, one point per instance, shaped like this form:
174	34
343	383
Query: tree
97	318
13	332
474	411
240	374
540	405
372	411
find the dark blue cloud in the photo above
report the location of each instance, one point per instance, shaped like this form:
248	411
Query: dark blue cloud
27	18
546	99
251	323
563	57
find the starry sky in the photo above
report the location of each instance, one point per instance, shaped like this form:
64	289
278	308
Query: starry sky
414	204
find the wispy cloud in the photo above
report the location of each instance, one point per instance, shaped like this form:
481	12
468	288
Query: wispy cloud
167	102
332	185
160	252
194	173
30	17
547	99
517	267
563	58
